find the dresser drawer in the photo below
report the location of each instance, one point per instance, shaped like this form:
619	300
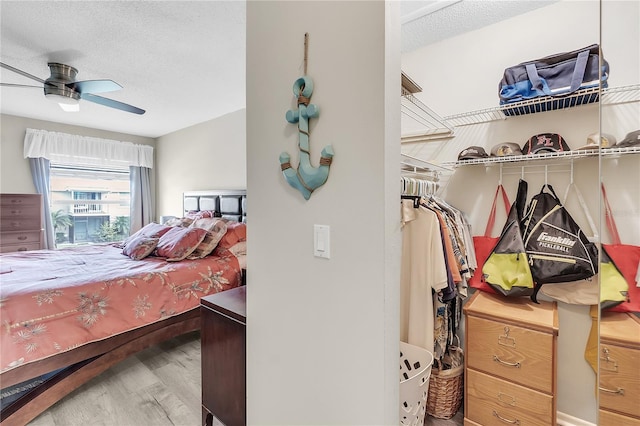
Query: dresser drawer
19	212
29	201
495	401
20	237
515	353
20	241
9	248
620	379
20	223
607	418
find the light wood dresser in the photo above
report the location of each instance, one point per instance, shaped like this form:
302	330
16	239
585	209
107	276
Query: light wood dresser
510	362
619	369
20	222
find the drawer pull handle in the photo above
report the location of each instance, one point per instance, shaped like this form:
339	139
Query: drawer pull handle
22	249
22	237
506	399
505	340
510	364
511	422
618	391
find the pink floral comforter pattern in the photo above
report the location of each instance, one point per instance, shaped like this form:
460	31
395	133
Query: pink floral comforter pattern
52	301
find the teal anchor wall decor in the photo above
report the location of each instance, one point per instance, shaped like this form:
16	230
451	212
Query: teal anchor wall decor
305	178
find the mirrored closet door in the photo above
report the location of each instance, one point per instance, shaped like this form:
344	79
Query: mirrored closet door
458	75
618	353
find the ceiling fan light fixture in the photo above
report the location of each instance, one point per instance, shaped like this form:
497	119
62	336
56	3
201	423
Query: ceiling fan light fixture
61	99
70	107
63	96
63	88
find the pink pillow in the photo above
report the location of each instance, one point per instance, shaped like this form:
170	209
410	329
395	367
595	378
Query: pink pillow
236	232
239	249
179	221
154	230
179	243
199	214
140	247
215	228
209	223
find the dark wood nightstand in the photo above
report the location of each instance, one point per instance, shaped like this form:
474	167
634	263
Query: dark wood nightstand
223	337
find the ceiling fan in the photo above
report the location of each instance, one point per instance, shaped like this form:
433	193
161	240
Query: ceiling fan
63	88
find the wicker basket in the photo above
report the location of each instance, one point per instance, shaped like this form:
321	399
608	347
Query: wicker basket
445	392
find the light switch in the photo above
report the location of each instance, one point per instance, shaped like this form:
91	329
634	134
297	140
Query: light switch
321	241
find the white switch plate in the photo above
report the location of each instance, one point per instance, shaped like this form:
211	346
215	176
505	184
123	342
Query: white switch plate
321	241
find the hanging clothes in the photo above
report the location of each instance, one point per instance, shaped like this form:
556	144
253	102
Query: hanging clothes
423	271
437	256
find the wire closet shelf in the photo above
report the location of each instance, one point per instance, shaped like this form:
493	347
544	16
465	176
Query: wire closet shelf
610	96
607	152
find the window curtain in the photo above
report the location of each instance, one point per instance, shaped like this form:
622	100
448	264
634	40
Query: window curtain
40	174
142	211
43	147
63	148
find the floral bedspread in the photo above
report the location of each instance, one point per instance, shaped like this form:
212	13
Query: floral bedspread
52	301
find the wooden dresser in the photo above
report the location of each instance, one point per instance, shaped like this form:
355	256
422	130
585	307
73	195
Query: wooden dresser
619	369
20	222
223	335
510	363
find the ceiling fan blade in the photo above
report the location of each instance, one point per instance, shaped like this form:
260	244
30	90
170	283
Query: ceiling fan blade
94	86
22	73
20	85
111	103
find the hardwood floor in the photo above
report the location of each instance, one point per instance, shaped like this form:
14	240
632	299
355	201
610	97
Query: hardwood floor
159	386
456	420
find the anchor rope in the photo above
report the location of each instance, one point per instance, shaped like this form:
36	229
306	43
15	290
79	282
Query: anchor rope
302	182
325	161
304	132
303	99
306	49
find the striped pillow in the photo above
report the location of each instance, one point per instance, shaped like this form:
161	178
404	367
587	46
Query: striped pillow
179	243
216	229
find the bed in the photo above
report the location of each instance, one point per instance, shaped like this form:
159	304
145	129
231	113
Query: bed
68	315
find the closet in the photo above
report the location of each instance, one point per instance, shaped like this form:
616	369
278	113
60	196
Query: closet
459	78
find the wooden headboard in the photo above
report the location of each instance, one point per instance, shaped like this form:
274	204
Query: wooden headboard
227	203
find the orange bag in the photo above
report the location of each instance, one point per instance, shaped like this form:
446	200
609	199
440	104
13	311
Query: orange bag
626	257
484	244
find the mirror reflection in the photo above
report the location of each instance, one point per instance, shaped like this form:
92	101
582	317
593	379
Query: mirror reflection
471	148
619	345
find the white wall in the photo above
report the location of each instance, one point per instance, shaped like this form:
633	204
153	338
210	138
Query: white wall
323	333
209	155
461	74
15	173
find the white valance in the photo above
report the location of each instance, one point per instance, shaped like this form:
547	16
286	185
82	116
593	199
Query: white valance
63	148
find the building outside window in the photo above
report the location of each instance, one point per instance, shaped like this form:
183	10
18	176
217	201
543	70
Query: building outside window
89	204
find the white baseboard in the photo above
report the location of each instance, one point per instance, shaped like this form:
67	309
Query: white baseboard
567	420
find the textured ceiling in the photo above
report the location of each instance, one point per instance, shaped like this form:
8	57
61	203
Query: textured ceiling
181	61
426	22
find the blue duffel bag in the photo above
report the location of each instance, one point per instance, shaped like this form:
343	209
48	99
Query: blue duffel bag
557	75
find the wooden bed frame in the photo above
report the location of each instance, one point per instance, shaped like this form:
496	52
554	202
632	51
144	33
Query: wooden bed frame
88	361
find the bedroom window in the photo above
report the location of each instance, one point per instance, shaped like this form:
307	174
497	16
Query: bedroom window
89	204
